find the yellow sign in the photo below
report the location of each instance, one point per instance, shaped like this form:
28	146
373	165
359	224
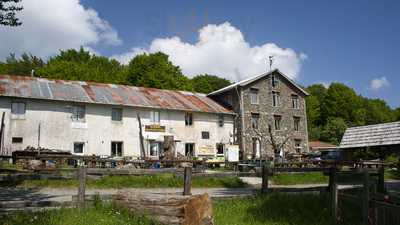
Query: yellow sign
154	128
206	150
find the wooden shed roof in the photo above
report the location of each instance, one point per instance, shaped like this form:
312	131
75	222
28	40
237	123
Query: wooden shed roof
372	135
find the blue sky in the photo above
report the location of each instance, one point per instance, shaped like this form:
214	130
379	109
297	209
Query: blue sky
354	42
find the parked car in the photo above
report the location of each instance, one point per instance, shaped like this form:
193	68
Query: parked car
251	165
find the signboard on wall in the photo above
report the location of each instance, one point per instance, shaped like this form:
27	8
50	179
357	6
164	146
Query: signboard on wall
154	128
206	150
233	153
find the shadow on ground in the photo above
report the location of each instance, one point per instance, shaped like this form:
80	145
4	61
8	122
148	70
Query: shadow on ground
21	194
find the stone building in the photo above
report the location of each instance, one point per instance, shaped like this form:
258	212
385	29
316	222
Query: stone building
268	100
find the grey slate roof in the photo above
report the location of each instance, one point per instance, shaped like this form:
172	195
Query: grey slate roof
254	78
372	135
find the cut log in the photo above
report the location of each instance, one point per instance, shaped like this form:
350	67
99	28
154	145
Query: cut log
169	209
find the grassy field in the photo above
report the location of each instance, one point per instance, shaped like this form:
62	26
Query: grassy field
392	175
278	209
99	214
271	209
144	181
299	178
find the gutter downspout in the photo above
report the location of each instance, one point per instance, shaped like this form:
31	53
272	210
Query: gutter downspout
241	109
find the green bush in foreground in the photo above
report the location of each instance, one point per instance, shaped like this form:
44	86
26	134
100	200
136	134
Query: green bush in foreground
145	181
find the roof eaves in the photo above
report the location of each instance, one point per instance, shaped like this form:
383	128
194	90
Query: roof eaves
251	79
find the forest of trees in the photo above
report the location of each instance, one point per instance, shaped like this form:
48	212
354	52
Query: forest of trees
329	110
146	70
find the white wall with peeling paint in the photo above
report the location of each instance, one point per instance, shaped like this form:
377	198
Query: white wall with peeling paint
58	131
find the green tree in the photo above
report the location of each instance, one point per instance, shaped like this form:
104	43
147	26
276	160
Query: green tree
208	83
82	65
155	70
313	102
8	9
377	111
397	114
333	130
22	66
341	101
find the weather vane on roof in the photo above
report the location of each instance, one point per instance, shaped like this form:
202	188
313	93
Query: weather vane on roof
271	61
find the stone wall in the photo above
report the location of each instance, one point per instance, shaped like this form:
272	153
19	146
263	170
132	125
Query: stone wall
267	111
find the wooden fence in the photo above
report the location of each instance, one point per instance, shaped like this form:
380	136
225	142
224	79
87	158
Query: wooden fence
368	193
81	174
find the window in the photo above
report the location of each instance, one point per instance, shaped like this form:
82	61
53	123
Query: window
277	120
296	123
155	116
253	96
188	119
295	101
228	99
116	148
17	110
274	81
205	135
155	148
220	149
189	149
17	140
78	147
221	120
276	98
254	120
78	113
116	114
297	145
256	147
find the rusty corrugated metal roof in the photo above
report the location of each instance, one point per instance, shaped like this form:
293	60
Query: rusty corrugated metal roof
99	93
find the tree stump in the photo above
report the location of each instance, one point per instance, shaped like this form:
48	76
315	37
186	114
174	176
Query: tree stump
169	209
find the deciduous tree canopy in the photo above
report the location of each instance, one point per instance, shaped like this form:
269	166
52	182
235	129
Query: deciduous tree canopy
155	70
8	9
331	110
208	83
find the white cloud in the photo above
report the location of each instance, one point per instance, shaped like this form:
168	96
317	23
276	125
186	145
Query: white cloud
91	50
50	25
326	84
379	83
222	50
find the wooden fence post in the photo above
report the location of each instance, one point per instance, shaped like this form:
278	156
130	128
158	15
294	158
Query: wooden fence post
82	186
333	186
381	179
365	197
265	174
332	173
187	183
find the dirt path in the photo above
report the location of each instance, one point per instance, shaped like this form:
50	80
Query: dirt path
65	194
